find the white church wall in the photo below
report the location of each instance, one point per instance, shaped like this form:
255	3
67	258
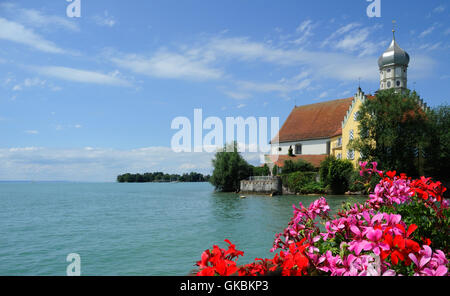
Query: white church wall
310	147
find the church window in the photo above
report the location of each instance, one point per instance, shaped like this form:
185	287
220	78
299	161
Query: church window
388	84
398	82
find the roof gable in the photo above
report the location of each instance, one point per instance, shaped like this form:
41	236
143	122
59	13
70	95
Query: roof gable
315	121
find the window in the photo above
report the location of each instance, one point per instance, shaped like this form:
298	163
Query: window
351	154
279	149
298	149
339	156
328	147
388	84
398	82
351	135
339	142
388	70
355	116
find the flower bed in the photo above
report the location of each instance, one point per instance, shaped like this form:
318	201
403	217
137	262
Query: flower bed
402	229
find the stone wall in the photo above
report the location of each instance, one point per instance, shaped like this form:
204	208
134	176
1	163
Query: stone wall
262	186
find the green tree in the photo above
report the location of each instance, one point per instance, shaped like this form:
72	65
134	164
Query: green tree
437	148
261	170
392	131
229	169
297	166
336	173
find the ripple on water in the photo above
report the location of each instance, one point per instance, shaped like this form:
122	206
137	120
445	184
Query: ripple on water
132	229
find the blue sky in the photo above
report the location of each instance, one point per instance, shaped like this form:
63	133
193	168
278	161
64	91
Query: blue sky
87	98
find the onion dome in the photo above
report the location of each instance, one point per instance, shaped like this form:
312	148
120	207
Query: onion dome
394	55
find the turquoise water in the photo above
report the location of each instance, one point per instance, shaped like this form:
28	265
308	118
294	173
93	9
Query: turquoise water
132	229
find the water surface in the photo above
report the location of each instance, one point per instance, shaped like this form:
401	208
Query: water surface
133	229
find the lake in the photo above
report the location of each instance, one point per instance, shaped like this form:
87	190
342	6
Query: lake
133	229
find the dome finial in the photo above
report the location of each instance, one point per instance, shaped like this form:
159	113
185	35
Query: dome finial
393	29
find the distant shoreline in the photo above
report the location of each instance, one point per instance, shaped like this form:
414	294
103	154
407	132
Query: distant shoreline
160	177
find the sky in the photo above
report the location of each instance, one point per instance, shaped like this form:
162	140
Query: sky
88	98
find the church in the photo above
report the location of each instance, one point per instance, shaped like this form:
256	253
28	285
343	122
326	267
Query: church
312	132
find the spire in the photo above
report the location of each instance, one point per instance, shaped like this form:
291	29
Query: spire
393	29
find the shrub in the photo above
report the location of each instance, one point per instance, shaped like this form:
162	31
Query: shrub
336	173
297	180
312	188
297	166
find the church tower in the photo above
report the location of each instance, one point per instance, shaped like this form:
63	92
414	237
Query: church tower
393	64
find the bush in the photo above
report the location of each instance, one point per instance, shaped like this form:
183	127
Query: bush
336	173
297	166
261	171
313	188
302	182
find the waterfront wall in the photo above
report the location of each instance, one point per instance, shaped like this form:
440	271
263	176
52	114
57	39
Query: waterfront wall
263	185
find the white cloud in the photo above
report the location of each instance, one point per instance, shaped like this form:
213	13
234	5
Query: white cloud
340	31
33	82
431	46
241	106
439	9
16	32
305	31
237	95
326	64
82	76
165	64
31	132
282	86
36	18
323	94
427	31
104	20
95	164
99	164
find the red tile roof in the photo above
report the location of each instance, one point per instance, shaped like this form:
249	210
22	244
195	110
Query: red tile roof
315	121
315	160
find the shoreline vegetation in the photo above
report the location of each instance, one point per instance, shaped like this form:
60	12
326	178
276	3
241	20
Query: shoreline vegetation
160	177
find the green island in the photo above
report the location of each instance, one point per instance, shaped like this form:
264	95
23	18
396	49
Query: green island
160	177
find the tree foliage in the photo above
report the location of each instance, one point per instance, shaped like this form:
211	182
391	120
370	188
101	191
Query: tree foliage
437	146
162	177
299	165
393	131
229	169
335	173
